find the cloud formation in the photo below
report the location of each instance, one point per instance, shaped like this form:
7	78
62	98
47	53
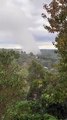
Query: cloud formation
21	23
14	25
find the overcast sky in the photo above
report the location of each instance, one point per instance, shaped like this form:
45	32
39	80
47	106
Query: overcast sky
21	25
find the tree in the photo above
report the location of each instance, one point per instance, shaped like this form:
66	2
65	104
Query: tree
58	23
12	79
57	19
35	78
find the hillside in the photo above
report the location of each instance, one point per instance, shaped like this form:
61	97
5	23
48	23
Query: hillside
48	57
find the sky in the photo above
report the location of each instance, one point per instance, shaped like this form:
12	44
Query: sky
21	25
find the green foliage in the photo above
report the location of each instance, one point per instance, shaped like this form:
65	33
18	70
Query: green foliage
13	84
26	110
37	74
7	56
28	92
58	23
36	70
49	117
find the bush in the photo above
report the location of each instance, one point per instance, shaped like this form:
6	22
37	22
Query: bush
49	117
26	110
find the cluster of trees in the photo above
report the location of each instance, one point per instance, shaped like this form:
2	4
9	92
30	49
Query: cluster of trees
12	79
31	92
28	93
20	86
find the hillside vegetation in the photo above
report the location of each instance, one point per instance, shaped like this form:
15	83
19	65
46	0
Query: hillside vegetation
29	91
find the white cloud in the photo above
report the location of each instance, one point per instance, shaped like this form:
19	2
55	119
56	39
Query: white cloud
37	29
10	46
45	45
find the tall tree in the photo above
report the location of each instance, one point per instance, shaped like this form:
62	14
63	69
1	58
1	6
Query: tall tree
58	23
57	20
57	11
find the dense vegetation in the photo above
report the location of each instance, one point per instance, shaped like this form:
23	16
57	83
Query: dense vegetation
29	91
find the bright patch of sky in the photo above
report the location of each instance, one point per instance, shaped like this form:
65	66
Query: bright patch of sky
21	25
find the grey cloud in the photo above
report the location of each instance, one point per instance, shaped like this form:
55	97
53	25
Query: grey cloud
14	24
16	17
